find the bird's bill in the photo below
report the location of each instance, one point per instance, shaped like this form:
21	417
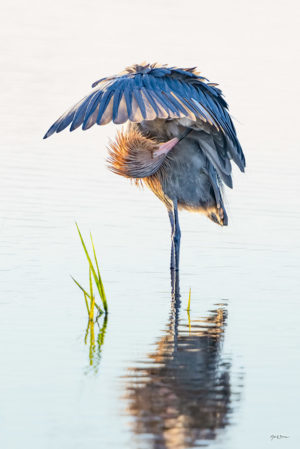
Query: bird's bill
165	147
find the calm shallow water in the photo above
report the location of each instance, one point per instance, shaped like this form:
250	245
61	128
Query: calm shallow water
228	376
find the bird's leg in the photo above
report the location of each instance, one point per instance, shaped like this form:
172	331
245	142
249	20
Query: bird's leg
172	221
175	236
175	289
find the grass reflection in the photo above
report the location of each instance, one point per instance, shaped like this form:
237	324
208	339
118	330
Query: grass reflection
95	341
188	311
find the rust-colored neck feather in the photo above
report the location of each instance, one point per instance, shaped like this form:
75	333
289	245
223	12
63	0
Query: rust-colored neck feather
131	155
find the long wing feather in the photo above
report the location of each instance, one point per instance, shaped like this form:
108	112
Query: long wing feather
146	92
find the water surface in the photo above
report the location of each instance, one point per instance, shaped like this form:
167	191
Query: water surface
225	377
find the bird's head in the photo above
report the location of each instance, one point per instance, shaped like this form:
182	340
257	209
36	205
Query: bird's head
135	156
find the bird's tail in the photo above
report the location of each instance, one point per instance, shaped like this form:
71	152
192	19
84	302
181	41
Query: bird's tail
219	216
217	213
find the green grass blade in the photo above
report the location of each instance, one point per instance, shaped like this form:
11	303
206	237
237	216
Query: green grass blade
99	309
81	288
91	284
189	302
89	260
88	296
101	291
92	304
86	303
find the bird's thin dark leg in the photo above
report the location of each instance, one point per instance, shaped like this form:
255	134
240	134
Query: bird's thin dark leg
175	289
172	221
177	237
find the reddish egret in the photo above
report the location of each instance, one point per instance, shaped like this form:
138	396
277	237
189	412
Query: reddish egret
179	141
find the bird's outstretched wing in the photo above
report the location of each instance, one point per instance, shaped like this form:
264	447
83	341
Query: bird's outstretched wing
147	92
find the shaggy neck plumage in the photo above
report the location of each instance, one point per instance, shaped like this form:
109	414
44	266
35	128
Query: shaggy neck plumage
131	155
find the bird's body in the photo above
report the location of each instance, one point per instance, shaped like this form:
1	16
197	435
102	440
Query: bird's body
179	141
184	175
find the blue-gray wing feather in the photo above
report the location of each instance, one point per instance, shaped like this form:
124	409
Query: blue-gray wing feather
147	92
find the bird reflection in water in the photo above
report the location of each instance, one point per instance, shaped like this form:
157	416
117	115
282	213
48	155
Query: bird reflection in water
181	397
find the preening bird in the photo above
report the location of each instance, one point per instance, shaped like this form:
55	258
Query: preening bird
179	140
